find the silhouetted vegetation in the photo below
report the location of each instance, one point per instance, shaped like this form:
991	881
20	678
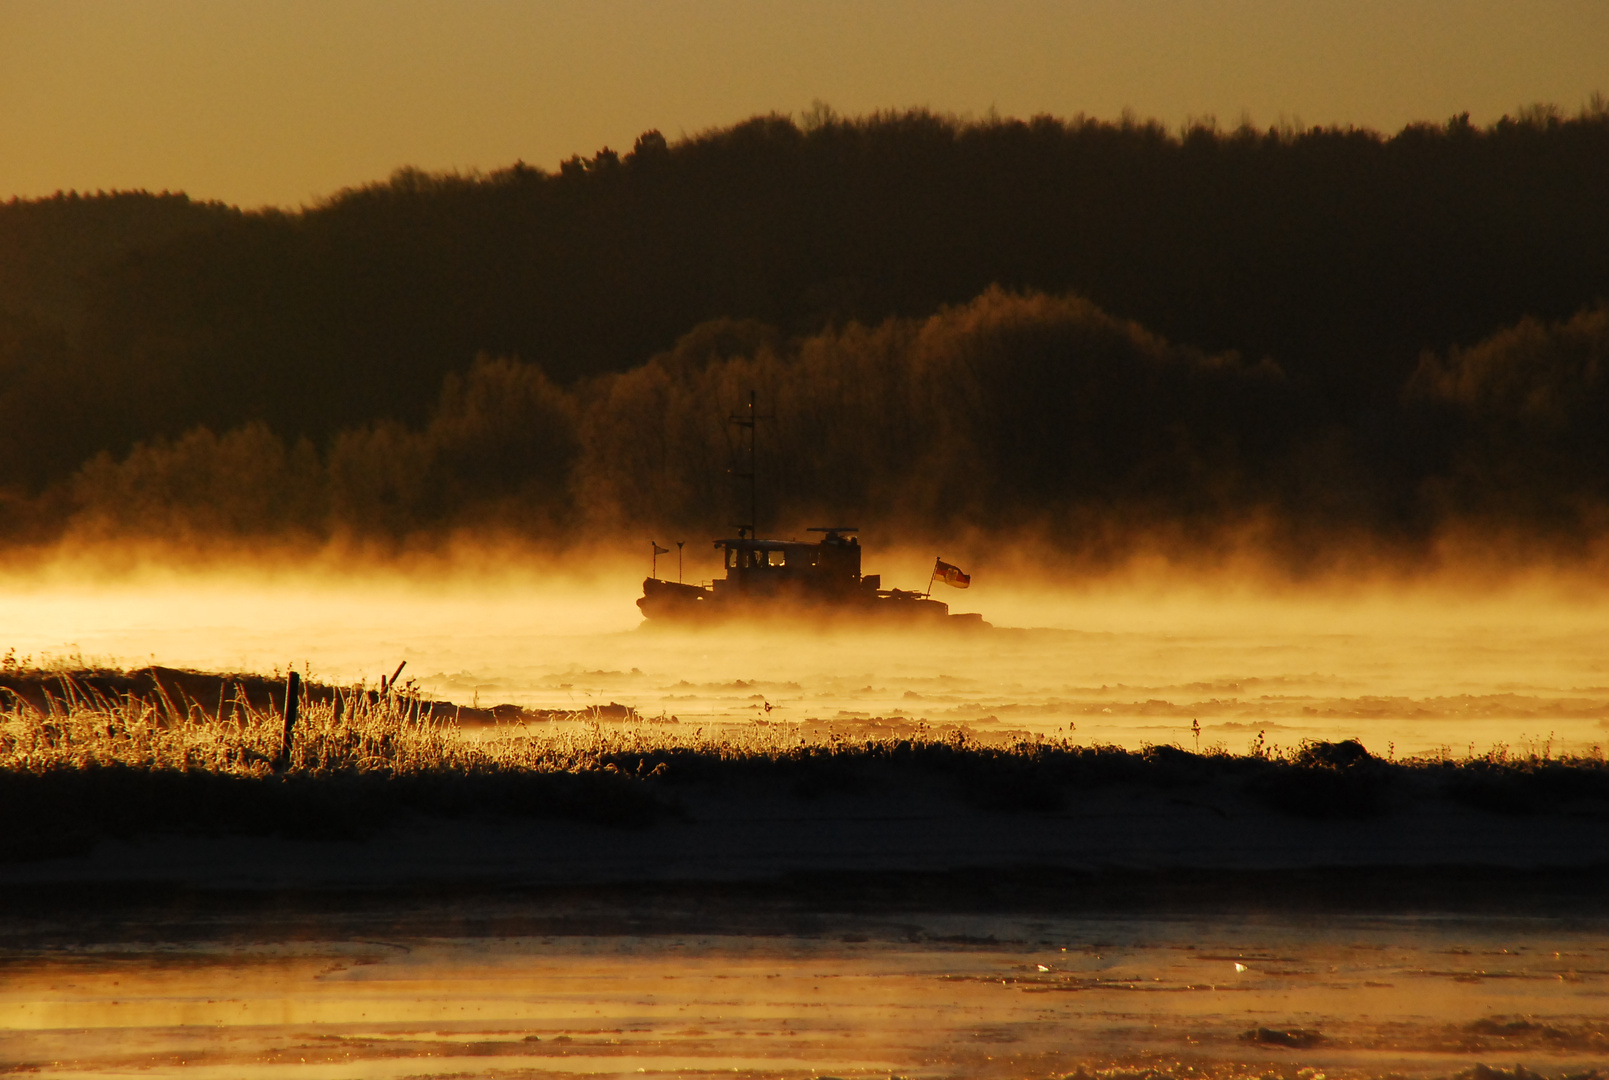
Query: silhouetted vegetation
1096	328
84	764
1026	414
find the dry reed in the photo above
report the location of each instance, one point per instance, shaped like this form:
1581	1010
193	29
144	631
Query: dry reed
359	756
354	731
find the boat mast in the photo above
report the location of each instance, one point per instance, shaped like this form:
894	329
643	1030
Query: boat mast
747	420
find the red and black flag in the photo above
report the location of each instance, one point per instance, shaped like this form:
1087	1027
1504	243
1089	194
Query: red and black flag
951	575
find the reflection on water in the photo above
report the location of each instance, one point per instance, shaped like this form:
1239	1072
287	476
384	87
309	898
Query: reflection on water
920	996
1413	671
933	996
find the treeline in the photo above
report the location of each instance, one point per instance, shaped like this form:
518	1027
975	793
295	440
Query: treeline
1340	255
1019	415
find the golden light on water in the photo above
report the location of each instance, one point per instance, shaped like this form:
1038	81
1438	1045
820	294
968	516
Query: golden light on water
1408	669
971	995
1221	526
551	979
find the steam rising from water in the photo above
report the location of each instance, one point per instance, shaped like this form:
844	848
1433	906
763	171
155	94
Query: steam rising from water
1131	660
978	996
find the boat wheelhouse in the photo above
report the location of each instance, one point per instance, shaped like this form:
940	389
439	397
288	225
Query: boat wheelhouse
817	579
800	578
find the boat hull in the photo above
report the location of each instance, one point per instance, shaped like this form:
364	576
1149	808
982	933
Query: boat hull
671	602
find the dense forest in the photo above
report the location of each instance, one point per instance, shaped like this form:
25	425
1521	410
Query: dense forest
1083	328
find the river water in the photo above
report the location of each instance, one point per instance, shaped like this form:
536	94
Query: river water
471	993
1406	670
918	996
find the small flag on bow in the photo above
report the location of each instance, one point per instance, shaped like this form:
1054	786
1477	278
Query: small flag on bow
951	575
659	550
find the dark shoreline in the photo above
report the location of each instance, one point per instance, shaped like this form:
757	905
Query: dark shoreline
65	809
889	907
874	826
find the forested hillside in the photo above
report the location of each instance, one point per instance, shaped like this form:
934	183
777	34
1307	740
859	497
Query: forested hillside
1086	323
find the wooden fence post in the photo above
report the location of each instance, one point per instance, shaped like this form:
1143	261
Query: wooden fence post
293	697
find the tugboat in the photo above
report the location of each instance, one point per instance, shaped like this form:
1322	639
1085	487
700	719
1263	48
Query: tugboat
793	577
818	579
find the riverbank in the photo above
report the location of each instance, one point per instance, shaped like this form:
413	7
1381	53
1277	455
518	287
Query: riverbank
372	790
967	826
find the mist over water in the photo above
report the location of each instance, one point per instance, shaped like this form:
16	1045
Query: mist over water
1246	438
996	997
1407	668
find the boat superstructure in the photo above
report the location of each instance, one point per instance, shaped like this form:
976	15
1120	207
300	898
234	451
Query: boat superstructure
818	578
793	577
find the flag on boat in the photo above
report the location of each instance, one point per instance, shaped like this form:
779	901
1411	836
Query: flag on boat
951	575
659	550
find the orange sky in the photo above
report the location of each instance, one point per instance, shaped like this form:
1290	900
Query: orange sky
282	102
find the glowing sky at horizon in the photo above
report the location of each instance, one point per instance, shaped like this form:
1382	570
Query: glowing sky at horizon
255	102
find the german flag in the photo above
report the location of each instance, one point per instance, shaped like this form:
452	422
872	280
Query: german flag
951	575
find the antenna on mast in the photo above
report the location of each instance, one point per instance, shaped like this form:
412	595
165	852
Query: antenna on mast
748	419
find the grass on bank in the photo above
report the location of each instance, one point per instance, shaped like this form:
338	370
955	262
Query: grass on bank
82	763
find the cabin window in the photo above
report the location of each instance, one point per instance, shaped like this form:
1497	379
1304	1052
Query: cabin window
731	558
776	558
